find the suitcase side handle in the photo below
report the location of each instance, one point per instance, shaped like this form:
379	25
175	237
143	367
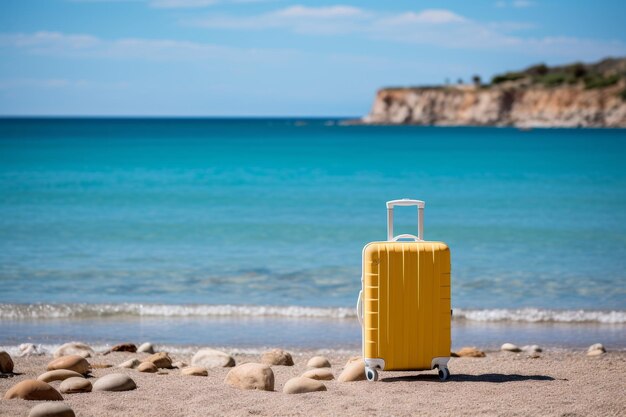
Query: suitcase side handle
359	308
404	203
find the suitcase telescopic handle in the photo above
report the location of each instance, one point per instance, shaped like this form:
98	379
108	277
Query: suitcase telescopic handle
420	218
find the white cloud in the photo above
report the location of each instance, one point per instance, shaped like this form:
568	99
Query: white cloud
330	20
429	16
181	4
433	27
518	4
174	4
522	3
329	12
55	83
81	45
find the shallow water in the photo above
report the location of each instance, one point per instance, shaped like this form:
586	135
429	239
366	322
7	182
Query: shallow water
178	333
272	212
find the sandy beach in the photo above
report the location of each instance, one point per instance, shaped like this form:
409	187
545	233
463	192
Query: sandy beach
558	383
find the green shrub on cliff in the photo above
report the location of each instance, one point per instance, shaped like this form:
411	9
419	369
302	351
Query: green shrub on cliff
577	70
509	76
623	94
537	70
600	81
556	78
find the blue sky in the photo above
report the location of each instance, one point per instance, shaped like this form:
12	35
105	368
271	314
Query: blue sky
275	58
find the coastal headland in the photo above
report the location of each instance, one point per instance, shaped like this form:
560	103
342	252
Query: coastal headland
574	95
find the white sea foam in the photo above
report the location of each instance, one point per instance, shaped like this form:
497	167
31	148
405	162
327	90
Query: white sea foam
43	311
536	315
185	350
55	311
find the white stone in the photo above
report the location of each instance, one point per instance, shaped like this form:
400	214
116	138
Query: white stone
596	346
114	382
51	410
301	385
75	385
510	347
532	348
29	349
146	348
211	358
130	364
74	348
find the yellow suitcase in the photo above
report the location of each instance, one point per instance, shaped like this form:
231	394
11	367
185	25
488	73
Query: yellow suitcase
404	303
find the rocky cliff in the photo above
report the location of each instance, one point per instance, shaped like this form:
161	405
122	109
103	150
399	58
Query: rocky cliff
576	95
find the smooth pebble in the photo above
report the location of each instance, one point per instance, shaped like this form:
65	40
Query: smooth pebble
160	360
318	362
194	371
251	376
148	367
130	364
470	352
123	347
74	348
6	363
210	358
72	362
321	374
146	348
31	389
51	410
596	346
58	375
510	347
277	357
75	385
532	348
29	349
301	385
114	382
353	371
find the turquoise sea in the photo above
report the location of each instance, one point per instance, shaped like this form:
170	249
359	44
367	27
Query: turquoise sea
248	232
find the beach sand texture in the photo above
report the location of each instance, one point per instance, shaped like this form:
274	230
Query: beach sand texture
558	383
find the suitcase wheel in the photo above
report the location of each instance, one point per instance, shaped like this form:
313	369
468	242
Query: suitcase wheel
444	374
371	374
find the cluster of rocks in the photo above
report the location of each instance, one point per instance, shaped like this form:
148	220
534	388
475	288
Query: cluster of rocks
597	349
259	376
532	351
71	368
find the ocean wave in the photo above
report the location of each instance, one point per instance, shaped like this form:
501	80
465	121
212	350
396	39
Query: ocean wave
536	315
43	311
58	311
186	350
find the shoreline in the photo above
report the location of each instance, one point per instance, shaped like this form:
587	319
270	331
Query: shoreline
253	333
499	384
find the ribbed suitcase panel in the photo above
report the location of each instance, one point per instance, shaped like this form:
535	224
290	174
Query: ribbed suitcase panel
406	303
